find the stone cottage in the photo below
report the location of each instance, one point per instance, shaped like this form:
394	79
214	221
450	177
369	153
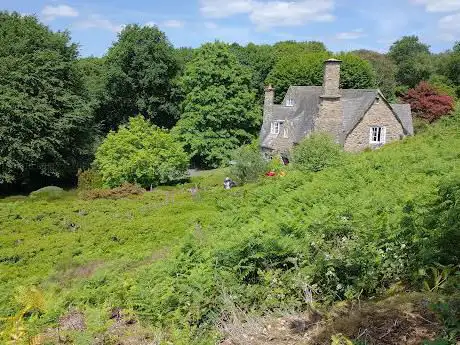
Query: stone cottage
357	119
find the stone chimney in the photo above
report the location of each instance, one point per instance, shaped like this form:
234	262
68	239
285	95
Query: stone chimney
330	113
269	95
268	103
331	81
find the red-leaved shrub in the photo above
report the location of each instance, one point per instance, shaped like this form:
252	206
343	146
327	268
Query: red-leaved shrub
427	103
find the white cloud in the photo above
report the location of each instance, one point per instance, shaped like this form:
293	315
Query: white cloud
439	5
96	21
267	14
450	27
351	35
150	24
173	24
284	13
210	25
53	12
225	8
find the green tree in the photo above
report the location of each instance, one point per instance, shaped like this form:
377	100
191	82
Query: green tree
385	71
140	153
308	69
45	126
94	74
141	67
220	111
289	48
259	59
451	66
413	60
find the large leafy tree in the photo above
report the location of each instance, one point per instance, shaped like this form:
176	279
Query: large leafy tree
94	74
46	127
413	60
385	71
141	153
308	69
451	65
289	48
141	68
220	111
259	59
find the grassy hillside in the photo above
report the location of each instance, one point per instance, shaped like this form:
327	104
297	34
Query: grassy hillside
181	263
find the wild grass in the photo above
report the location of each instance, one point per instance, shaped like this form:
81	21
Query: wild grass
180	260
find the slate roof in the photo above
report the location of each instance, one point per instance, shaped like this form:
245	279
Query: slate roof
405	115
355	102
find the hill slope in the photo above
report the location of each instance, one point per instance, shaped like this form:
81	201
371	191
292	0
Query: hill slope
183	263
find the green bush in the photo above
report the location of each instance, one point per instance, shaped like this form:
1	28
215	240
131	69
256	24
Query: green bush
140	153
89	179
124	191
249	164
48	193
317	152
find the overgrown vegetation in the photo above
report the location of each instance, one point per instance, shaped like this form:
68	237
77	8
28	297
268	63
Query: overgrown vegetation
182	261
248	164
140	153
317	152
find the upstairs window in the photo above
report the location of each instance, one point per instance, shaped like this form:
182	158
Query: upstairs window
275	127
285	132
289	102
377	135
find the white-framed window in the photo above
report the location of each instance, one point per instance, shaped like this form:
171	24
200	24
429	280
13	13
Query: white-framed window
275	127
377	135
285	132
289	102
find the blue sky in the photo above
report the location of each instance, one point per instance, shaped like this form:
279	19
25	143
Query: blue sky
341	24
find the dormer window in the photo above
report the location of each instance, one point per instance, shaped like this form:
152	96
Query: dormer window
275	127
289	102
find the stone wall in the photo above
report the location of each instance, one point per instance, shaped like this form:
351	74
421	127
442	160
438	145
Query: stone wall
330	118
381	115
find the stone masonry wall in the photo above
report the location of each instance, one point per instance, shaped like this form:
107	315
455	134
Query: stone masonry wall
330	118
378	115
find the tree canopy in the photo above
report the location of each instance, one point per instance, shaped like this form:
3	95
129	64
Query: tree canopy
259	59
413	60
308	69
220	111
385	71
141	67
140	153
46	126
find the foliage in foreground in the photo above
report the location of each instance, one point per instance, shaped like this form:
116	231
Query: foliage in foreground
249	165
140	153
317	152
184	262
